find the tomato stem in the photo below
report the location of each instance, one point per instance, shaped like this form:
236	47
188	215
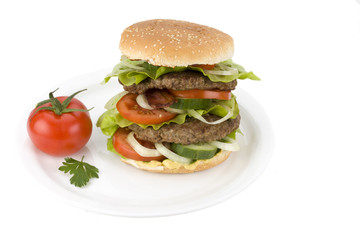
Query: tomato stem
57	107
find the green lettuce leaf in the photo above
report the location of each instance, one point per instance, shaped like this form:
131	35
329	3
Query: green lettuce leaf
111	120
133	72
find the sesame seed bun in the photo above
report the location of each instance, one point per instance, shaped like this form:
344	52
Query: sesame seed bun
175	43
168	166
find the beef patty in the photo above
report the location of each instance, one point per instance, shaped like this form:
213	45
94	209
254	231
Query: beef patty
185	80
192	131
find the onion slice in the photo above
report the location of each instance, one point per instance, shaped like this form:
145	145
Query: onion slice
223	69
230	145
232	71
123	63
140	149
113	101
196	115
175	110
142	101
171	155
126	64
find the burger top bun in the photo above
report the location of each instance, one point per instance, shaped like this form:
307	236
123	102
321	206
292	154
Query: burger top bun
168	166
175	43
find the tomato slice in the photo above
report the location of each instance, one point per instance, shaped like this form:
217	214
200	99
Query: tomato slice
130	110
204	66
202	94
123	147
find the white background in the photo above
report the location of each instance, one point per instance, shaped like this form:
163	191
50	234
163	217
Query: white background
307	54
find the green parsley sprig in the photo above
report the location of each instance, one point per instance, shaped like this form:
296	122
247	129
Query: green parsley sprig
82	172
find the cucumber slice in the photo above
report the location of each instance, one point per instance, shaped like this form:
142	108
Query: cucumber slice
194	151
190	103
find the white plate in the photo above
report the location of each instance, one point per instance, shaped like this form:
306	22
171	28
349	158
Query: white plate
126	191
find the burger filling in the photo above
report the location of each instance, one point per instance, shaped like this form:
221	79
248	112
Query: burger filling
183	113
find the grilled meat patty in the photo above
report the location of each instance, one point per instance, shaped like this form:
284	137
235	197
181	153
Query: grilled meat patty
185	80
192	131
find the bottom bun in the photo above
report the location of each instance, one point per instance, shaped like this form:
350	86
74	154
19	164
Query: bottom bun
168	166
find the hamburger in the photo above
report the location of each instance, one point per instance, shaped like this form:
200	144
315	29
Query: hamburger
177	113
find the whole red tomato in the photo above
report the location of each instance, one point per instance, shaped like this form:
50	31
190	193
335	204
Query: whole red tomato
60	126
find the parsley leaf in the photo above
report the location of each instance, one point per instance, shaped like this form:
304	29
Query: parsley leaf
82	172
